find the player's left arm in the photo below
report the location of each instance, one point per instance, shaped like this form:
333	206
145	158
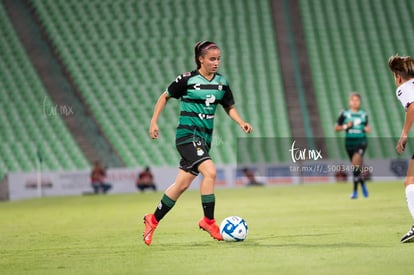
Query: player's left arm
232	112
228	104
409	120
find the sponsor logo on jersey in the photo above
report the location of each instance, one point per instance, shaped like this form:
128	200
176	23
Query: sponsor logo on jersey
204	116
357	122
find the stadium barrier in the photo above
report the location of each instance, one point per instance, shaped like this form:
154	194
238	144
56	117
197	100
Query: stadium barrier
25	185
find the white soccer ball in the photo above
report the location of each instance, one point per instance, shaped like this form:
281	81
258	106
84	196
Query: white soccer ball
233	229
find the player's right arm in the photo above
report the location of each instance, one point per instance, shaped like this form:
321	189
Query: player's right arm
176	89
408	123
159	106
340	126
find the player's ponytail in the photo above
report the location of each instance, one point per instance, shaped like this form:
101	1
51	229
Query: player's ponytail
402	65
200	49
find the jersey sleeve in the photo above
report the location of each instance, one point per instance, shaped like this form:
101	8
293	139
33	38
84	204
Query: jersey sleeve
178	87
227	99
405	96
341	118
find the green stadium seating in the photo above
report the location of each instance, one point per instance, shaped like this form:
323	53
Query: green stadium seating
26	126
349	43
123	54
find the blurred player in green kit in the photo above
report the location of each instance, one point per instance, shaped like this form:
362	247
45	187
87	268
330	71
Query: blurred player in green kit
354	122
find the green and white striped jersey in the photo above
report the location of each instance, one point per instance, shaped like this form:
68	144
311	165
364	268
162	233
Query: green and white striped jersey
199	99
356	133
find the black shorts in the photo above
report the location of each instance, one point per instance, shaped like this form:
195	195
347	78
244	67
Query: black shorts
357	149
192	154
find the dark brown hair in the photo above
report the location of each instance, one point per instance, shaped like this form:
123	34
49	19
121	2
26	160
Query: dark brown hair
402	65
201	48
355	94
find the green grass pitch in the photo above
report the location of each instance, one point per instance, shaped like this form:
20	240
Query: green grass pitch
304	229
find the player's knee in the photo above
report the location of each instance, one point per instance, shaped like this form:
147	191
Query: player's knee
182	188
210	173
208	170
183	185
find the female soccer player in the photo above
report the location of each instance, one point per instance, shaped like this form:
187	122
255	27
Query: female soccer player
354	122
200	92
403	70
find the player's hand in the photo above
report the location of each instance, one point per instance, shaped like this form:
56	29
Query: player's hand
153	131
401	144
349	124
247	128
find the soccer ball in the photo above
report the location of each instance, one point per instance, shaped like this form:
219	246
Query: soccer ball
233	229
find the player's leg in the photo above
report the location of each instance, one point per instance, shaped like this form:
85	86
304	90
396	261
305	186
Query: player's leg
361	151
355	162
208	200
409	193
182	182
357	174
363	183
208	170
173	192
356	171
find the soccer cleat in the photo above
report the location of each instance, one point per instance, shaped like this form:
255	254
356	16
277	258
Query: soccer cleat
354	195
365	191
409	236
150	227
212	229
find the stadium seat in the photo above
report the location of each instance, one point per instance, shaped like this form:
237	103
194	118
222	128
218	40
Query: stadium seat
348	49
123	54
25	124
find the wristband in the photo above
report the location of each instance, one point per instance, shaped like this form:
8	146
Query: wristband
345	126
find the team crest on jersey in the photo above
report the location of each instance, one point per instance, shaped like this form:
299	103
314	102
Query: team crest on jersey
197	146
220	86
200	152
